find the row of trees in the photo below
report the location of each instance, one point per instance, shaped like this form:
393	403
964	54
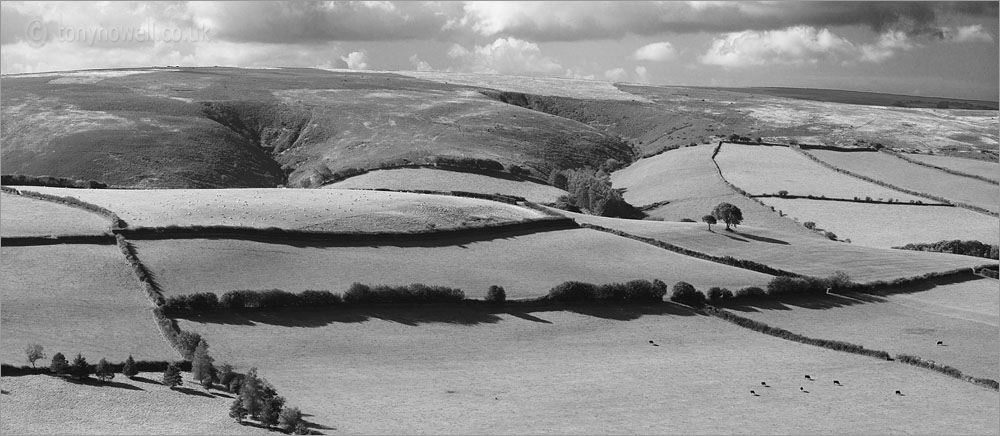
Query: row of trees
78	369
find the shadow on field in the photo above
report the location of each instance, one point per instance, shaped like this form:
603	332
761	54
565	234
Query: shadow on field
145	380
107	384
630	312
194	392
753	237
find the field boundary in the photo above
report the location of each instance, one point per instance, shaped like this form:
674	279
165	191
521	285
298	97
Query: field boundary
891	186
348	173
849	200
115	221
24	241
947	170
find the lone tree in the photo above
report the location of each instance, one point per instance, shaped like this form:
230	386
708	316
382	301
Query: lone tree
729	214
129	369
708	219
289	418
236	410
104	371
34	352
201	362
172	376
59	364
496	295
79	369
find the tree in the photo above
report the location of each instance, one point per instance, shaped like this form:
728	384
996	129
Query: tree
129	369
104	371
34	352
201	362
708	219
59	364
206	383
729	214
79	369
289	418
496	295
172	376
236	410
271	411
685	293
226	374
188	342
251	393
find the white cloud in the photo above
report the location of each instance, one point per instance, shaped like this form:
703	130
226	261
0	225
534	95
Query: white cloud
656	52
574	74
973	33
505	56
886	47
642	74
420	65
794	45
356	60
616	74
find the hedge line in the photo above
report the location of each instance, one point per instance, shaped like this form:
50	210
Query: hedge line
852	200
9	190
23	241
140	365
785	334
57	182
634	291
142	273
725	260
947	170
486	167
116	221
906	281
732	186
947	370
900	189
991	273
956	246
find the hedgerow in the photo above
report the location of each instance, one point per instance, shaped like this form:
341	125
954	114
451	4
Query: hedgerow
416	293
57	182
946	370
956	246
116	221
947	170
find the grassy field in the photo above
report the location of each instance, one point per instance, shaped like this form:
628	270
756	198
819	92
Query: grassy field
688	179
768	170
898	172
983	168
884	225
21	216
526	266
40	404
63	297
790	252
560	87
908	323
590	372
437	180
307	209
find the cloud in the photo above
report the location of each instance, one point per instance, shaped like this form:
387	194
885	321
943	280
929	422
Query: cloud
575	74
505	56
356	60
887	45
656	52
794	45
973	33
616	75
420	65
642	74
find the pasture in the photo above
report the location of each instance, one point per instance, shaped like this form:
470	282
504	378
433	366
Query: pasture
898	172
983	168
75	299
593	371
30	217
891	225
526	265
688	179
818	257
904	322
769	169
559	87
440	180
41	404
339	210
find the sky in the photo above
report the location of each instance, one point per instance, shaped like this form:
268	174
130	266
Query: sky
943	49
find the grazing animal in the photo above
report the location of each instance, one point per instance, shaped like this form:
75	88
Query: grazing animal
764	384
940	342
808	378
899	393
803	389
836	382
650	342
754	394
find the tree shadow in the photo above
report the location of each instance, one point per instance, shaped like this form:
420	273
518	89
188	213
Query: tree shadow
145	380
526	316
108	384
734	237
808	301
628	312
194	392
3	392
764	239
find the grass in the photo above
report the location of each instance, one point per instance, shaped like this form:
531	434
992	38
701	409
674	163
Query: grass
438	180
908	321
28	217
790	252
40	404
768	170
982	168
560	87
591	371
526	266
883	225
303	209
688	179
62	297
895	171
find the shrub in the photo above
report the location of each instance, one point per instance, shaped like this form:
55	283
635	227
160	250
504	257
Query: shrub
415	293
496	294
290	418
718	294
129	369
831	236
318	298
34	352
172	376
573	291
750	292
79	369
782	193
236	410
271	410
103	371
685	293
688	220
809	225
59	364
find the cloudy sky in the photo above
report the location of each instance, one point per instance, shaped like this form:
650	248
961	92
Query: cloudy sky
945	49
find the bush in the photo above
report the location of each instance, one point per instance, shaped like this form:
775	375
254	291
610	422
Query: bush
172	376
129	369
496	295
782	193
290	418
59	365
715	294
573	291
685	293
809	225
830	235
635	291
415	293
750	292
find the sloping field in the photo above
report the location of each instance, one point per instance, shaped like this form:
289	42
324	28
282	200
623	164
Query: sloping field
438	180
688	179
592	372
20	216
61	296
898	172
40	404
982	168
904	323
526	266
769	169
891	225
790	252
560	87
305	209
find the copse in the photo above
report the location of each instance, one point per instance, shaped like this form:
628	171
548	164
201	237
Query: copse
685	293
729	214
496	295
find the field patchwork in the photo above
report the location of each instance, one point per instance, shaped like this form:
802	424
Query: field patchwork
439	180
30	217
982	168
